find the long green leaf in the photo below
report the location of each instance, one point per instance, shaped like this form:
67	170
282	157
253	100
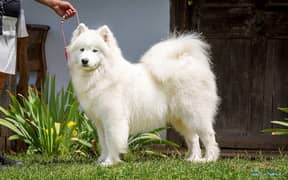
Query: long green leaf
83	142
154	153
15	137
275	129
283	110
279	133
12	127
280	123
4	111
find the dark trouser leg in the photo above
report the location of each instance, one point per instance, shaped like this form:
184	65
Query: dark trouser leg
4	161
3	80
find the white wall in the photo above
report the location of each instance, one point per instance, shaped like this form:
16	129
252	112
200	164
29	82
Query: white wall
137	24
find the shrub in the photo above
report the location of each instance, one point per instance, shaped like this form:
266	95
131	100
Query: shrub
48	122
284	123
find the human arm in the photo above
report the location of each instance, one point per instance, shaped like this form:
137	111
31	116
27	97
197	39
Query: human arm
61	7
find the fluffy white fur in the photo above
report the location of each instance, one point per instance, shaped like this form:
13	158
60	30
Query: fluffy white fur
173	82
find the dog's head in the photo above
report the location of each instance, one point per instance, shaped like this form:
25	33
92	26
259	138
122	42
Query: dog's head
89	49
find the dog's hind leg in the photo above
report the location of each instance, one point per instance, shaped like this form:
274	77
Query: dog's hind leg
191	138
194	126
203	126
212	150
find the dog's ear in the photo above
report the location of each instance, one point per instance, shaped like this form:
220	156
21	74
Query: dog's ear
107	35
79	30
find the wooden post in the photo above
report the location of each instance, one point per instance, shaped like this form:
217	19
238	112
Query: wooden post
22	66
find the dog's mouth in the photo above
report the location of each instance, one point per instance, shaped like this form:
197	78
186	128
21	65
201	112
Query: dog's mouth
87	67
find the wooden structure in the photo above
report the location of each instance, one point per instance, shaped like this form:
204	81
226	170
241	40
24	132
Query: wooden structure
32	57
249	40
31	60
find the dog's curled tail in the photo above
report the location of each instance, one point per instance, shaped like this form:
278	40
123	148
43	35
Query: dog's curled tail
177	54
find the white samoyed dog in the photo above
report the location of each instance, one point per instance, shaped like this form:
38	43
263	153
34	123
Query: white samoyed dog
173	82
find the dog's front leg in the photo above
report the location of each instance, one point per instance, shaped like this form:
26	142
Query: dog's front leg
102	143
116	131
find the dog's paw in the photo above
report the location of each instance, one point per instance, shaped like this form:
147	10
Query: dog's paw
201	160
109	162
106	163
101	159
195	158
210	158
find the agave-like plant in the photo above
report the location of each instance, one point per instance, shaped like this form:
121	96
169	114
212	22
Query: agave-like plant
48	122
284	123
140	141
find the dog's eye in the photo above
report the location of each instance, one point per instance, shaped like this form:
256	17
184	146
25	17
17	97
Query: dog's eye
82	49
94	50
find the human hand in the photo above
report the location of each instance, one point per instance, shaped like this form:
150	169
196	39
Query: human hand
64	9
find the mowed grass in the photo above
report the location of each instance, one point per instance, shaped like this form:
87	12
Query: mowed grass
140	167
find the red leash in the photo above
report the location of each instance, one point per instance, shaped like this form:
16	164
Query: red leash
63	34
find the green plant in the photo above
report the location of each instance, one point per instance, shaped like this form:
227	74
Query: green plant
140	141
284	123
86	140
48	122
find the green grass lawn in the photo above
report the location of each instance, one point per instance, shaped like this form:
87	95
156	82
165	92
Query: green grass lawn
139	167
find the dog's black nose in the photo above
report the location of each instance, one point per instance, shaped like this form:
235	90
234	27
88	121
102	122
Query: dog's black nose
84	61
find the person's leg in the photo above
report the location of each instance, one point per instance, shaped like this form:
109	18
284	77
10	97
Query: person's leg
4	161
3	80
9	11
